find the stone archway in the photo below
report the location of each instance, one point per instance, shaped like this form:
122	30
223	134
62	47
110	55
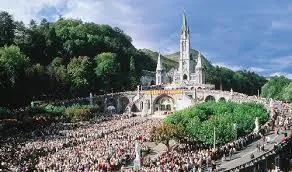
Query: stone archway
163	103
111	105
123	102
210	98
185	77
222	99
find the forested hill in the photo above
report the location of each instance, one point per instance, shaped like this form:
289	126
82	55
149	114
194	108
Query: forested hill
70	58
63	59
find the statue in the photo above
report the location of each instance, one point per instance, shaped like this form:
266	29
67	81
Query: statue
90	98
137	161
257	125
231	91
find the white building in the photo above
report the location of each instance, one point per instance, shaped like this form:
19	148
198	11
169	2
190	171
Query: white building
190	74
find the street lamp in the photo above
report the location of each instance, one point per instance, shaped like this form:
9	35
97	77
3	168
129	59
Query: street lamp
235	130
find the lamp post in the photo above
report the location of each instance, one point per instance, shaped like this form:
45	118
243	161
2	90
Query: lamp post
214	138
235	130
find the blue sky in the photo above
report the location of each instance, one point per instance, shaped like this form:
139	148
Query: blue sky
249	34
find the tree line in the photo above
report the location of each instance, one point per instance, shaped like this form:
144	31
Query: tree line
242	81
63	59
278	87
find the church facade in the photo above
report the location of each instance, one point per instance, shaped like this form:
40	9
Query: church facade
190	73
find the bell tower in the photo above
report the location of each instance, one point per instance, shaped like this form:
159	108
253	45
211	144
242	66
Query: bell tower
184	61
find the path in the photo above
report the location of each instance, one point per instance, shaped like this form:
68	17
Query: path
244	155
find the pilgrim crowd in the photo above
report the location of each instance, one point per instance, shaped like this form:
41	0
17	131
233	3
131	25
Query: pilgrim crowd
104	145
107	143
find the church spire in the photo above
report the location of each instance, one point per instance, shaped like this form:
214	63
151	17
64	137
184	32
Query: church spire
199	61
184	28
159	65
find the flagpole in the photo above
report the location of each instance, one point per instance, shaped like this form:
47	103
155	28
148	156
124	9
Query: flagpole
214	138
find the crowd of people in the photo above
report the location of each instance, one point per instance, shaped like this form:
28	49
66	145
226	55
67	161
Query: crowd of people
107	143
196	157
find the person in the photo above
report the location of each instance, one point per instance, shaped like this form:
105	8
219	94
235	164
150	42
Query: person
268	139
223	157
213	165
259	147
230	153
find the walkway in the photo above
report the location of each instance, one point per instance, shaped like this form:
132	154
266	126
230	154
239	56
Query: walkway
244	155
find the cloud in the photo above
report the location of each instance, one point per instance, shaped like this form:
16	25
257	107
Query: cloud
288	75
283	24
232	67
282	61
25	10
256	69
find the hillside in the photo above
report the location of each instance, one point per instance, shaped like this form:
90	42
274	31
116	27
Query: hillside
194	55
168	63
171	60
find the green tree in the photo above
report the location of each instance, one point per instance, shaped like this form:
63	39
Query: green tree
58	77
79	70
274	88
107	69
133	75
165	132
287	93
7	27
13	64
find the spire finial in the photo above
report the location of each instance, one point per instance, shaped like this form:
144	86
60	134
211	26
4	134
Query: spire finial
184	24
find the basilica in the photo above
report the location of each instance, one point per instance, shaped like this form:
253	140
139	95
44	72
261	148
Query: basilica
190	73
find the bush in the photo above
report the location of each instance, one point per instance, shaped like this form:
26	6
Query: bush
78	113
199	121
55	109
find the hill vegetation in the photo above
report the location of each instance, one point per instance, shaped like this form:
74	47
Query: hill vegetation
69	58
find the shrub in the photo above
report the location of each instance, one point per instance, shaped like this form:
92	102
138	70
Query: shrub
55	109
77	113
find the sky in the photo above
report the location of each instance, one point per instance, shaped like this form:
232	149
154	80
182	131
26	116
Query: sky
248	34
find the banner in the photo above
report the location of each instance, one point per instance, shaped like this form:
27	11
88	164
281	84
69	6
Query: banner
154	92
